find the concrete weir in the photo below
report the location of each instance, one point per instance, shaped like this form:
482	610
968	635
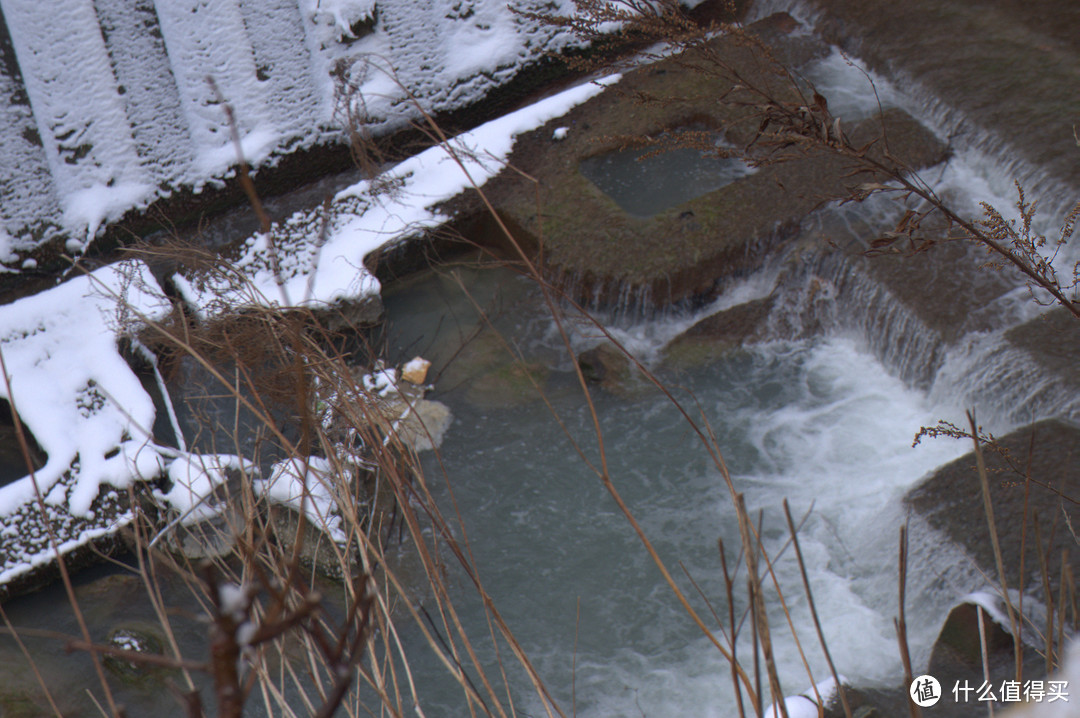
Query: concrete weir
107	108
594	246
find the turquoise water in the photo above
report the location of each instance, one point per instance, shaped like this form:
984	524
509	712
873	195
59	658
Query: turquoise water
821	423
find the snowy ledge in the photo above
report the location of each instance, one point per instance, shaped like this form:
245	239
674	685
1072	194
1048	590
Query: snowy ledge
321	259
86	408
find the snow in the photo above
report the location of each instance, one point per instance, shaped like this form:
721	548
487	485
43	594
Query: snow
383	381
369	215
124	113
77	106
805	705
74	392
560	133
26	563
233	600
339	14
99	203
797	707
89	412
194	478
994	606
306	486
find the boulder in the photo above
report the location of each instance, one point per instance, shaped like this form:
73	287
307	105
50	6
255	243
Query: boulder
718	333
951	501
608	366
957	652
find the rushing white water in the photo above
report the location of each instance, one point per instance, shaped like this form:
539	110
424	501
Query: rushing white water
822	423
826	422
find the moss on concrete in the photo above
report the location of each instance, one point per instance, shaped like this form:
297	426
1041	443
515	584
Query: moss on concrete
597	250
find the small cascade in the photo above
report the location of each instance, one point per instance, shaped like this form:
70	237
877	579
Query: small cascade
644	330
833	294
619	303
990	161
1002	381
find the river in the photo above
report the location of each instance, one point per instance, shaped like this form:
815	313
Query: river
826	423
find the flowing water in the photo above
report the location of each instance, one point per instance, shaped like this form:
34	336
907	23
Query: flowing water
821	423
826	423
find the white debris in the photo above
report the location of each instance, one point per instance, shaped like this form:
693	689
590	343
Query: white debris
381	381
415	370
233	600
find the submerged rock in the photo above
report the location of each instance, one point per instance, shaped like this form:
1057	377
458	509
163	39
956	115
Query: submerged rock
137	639
610	367
509	384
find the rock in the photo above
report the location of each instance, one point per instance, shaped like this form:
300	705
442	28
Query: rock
957	652
607	365
202	514
139	639
508	385
415	370
951	501
209	539
956	658
718	334
319	551
425	426
350	314
27	559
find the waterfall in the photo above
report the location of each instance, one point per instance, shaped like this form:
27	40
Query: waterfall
833	294
1003	381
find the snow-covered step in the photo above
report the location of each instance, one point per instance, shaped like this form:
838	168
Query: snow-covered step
208	39
79	111
27	198
105	105
146	86
283	67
